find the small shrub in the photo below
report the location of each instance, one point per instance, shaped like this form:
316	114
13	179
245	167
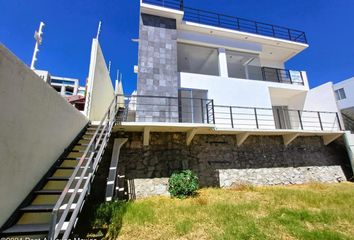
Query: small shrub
183	184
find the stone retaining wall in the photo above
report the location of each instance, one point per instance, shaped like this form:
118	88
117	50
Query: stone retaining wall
280	176
218	161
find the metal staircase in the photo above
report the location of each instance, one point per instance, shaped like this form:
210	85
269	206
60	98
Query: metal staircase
51	210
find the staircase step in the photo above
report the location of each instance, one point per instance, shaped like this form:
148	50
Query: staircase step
38	208
28	228
63	173
69	163
74	155
45	199
49	192
58	178
64	167
35	218
55	185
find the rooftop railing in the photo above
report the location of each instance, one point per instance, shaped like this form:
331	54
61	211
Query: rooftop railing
231	22
204	111
173	4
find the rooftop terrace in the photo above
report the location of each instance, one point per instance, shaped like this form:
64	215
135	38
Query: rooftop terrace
231	22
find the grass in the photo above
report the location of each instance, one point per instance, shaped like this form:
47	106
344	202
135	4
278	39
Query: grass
314	211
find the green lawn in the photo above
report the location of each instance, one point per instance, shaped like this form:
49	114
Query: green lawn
314	211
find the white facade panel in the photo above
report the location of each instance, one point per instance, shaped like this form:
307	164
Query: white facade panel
348	86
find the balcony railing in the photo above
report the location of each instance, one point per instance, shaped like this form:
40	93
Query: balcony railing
173	4
275	118
282	76
196	110
231	22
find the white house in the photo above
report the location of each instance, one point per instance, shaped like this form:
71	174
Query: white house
212	96
344	92
236	66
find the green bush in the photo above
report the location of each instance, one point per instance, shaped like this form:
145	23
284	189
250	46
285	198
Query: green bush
183	184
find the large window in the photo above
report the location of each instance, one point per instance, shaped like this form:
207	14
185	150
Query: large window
243	65
192	104
340	94
197	59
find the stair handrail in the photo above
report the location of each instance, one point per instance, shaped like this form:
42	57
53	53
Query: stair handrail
106	124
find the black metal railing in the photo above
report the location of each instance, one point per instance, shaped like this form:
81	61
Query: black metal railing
282	76
231	22
275	118
244	25
196	110
167	109
174	4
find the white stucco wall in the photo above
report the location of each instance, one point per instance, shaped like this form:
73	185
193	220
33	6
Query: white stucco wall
36	125
100	91
321	99
261	94
348	86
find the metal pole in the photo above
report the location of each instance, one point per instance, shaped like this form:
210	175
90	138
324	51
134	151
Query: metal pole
299	113
212	104
202	109
232	119
99	29
339	124
256	117
38	37
319	118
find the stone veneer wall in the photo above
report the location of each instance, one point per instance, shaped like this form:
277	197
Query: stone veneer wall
157	74
218	161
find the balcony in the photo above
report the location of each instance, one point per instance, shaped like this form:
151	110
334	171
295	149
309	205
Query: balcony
157	109
231	22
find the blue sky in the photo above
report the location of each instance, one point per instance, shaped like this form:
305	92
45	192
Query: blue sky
71	25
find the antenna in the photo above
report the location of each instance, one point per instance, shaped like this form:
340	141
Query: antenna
99	29
116	83
38	37
109	66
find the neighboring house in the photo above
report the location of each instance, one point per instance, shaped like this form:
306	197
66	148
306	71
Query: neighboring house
344	92
65	86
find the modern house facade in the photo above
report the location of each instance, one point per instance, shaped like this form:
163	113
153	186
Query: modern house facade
212	96
238	63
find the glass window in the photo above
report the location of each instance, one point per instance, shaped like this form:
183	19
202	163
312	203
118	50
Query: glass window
197	59
243	65
340	94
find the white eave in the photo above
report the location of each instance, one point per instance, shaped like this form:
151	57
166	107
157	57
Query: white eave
161	11
192	129
287	48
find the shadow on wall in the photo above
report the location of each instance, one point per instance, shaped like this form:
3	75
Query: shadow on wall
208	154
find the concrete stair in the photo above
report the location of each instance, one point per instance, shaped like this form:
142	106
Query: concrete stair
33	218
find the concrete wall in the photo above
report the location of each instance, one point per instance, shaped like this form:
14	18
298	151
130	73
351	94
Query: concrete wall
322	99
218	161
36	125
348	86
240	92
100	91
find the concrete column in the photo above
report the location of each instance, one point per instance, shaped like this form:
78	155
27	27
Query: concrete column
223	72
62	90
